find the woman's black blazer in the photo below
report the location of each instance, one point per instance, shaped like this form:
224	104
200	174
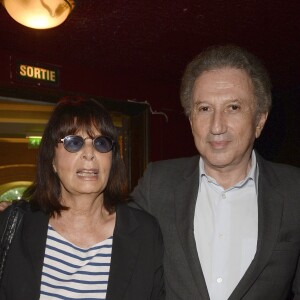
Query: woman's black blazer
136	271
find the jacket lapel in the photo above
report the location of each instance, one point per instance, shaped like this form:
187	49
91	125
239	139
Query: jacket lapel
124	254
270	208
185	197
34	240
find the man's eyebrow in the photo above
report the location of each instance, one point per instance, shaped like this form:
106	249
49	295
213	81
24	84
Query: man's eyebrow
235	100
226	101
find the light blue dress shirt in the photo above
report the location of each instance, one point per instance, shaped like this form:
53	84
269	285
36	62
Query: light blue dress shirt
226	228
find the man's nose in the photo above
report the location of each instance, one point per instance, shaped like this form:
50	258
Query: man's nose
218	123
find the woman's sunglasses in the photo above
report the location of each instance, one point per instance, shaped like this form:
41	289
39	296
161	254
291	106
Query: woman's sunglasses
73	143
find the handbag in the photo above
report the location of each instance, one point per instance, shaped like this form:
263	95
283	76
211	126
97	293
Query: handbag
9	230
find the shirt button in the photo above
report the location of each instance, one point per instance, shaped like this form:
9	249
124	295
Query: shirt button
219	280
221	236
223	196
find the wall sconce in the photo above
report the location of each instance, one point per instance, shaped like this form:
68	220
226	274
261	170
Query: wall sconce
39	14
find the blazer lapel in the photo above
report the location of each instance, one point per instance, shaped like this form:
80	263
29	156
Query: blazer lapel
34	238
270	208
185	200
124	254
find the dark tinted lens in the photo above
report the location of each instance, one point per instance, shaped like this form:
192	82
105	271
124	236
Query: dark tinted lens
103	144
73	143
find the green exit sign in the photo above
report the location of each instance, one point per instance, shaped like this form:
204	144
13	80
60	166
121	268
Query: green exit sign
34	142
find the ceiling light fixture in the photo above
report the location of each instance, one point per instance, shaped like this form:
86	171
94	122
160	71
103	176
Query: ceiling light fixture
39	14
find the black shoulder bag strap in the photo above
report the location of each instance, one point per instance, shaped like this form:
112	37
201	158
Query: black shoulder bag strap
15	216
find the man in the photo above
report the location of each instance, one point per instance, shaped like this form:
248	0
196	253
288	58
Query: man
230	219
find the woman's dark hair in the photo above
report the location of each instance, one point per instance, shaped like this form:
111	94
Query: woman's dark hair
69	116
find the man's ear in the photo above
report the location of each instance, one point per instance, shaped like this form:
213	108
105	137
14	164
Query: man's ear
260	123
191	122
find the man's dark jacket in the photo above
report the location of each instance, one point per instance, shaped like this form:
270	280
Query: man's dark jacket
169	189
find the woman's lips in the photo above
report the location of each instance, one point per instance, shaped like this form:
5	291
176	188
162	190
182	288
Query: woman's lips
87	172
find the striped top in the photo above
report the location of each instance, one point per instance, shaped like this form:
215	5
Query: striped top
71	272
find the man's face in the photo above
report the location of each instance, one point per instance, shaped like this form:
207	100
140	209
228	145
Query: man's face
223	118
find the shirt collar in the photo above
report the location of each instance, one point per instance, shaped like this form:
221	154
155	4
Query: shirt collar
252	174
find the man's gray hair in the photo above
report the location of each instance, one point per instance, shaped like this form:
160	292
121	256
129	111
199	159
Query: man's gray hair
228	56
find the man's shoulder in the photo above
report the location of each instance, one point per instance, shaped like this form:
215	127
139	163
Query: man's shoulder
167	173
132	210
281	171
177	163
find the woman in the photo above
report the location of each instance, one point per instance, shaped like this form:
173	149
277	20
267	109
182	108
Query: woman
78	239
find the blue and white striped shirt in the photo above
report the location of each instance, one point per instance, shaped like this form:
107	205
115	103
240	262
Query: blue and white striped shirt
71	272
